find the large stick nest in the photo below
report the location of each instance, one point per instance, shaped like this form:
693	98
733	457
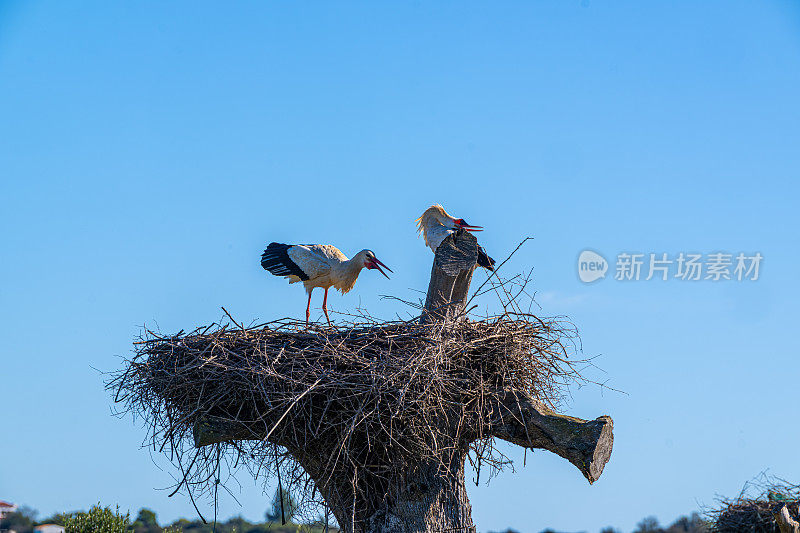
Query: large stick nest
753	510
366	396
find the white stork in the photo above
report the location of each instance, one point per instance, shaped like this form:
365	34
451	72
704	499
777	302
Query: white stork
436	224
318	265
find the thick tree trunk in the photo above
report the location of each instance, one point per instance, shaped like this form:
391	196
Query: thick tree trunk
427	498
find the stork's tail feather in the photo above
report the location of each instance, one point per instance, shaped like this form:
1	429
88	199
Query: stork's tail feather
484	260
276	260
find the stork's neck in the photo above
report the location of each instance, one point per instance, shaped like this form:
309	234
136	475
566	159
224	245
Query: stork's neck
434	229
346	273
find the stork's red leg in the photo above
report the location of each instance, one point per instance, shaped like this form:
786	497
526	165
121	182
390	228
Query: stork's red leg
308	308
325	305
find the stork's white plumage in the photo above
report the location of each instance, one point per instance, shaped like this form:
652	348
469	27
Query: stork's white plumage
318	265
436	224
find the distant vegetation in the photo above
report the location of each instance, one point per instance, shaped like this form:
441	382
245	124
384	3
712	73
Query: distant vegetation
684	524
106	520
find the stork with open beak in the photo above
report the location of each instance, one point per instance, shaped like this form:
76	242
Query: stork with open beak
436	224
318	265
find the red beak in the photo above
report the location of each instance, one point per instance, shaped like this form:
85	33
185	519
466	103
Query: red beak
462	223
377	264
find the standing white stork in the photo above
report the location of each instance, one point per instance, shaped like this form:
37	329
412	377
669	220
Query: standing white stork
318	265
436	224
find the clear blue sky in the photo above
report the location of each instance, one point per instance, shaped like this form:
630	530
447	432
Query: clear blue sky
150	150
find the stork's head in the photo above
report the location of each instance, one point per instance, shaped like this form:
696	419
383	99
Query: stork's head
371	262
437	212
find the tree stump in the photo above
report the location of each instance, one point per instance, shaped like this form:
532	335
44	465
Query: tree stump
451	275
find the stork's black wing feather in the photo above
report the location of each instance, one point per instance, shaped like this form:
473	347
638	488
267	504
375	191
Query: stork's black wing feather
484	260
276	259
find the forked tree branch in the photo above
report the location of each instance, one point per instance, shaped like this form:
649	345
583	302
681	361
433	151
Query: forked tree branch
511	416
